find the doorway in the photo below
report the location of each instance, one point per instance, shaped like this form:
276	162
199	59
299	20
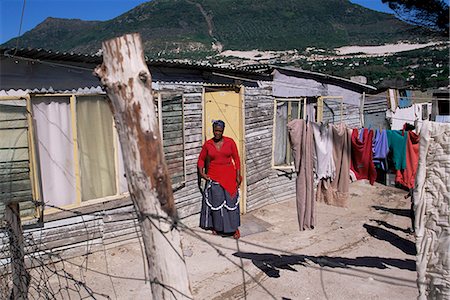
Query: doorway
227	105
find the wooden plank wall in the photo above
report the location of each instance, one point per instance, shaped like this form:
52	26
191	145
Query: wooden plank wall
264	184
173	138
375	108
15	183
80	231
188	197
350	113
94	227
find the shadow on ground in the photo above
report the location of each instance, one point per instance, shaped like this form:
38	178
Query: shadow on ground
271	264
403	244
390	226
395	211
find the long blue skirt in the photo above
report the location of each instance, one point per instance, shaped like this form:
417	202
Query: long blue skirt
219	211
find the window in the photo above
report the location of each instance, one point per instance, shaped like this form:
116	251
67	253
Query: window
285	110
95	148
443	107
78	150
171	122
16	163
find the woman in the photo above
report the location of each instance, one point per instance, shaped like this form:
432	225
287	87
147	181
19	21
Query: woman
220	206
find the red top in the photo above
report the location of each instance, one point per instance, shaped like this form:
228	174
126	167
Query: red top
361	162
407	176
221	168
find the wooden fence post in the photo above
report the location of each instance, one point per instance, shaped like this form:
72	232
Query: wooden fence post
128	83
20	277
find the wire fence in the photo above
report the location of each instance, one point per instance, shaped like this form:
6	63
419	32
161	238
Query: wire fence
63	272
97	272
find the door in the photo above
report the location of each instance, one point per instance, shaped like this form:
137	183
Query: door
226	105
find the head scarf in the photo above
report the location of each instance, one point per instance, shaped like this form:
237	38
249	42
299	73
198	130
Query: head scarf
219	123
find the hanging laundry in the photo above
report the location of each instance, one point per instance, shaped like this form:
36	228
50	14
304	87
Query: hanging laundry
361	134
397	147
323	142
301	139
334	191
431	207
362	157
405	99
380	148
407	176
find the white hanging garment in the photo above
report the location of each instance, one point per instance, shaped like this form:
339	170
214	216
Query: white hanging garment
323	141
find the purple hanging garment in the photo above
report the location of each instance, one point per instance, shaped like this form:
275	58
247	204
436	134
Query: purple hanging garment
380	148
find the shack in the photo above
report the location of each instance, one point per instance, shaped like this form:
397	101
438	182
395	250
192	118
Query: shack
75	179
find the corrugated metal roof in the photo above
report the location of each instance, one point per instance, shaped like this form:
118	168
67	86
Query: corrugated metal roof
266	67
257	67
316	75
42	54
79	91
72	57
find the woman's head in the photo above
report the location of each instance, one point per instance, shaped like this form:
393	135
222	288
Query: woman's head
218	128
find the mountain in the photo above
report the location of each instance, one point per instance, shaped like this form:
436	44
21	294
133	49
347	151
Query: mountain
201	27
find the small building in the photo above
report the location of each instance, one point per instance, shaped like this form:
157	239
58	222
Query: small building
74	158
441	105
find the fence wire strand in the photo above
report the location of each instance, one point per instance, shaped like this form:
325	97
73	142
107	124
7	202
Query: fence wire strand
55	276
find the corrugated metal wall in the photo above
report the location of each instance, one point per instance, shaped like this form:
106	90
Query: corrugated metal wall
375	107
334	113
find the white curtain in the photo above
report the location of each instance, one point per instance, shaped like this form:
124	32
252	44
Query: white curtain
55	149
96	148
123	185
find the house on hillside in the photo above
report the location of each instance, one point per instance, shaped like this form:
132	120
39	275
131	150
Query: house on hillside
71	156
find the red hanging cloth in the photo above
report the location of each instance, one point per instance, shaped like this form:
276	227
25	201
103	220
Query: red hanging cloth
362	156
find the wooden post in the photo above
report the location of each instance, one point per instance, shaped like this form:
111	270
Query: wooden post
128	83
361	109
19	274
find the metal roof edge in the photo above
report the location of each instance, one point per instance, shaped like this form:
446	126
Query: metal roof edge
40	54
326	76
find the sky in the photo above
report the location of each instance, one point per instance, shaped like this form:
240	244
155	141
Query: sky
36	11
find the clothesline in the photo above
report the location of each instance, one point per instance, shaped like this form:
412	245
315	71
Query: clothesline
384	97
326	157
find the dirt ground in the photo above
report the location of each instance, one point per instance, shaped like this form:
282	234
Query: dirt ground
364	251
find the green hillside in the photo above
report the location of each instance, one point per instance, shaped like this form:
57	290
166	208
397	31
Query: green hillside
188	28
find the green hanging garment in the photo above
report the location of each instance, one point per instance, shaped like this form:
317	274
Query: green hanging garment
397	146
